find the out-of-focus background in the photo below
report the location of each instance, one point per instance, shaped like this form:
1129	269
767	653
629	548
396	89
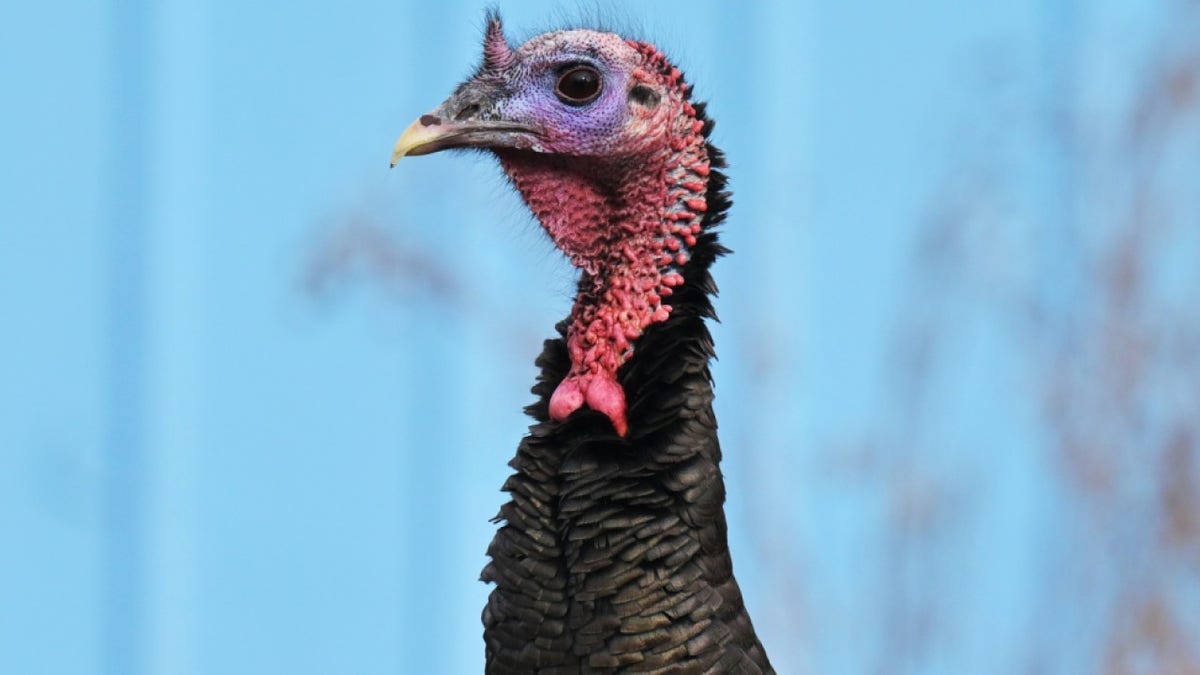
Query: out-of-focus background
257	392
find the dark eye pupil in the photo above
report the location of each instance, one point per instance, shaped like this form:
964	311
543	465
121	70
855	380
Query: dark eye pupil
579	85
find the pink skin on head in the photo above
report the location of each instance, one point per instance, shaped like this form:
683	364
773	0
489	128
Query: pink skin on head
626	219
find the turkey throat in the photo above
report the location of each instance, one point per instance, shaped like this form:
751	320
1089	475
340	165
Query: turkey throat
629	225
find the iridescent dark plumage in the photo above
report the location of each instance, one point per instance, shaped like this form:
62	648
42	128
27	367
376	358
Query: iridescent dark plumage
612	553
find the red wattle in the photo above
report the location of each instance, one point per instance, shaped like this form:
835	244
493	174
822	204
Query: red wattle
606	396
601	393
567	398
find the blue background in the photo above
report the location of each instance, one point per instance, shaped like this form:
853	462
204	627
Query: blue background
257	392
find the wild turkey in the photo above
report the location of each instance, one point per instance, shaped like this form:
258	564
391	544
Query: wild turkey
612	554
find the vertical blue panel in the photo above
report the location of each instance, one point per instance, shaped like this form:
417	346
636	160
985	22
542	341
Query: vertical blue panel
126	173
53	234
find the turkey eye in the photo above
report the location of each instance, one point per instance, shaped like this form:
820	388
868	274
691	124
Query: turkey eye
578	85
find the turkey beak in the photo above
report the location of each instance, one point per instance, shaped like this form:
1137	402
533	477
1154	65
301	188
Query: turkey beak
420	137
435	131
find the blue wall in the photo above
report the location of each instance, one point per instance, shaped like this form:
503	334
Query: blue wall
257	392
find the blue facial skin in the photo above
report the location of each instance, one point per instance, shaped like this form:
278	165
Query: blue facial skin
515	102
578	129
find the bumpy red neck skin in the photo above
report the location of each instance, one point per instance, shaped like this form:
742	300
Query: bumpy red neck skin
628	223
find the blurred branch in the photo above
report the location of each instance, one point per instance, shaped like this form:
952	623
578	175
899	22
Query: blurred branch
1111	335
358	251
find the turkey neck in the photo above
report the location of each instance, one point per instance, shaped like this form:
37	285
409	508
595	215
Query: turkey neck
613	551
629	224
